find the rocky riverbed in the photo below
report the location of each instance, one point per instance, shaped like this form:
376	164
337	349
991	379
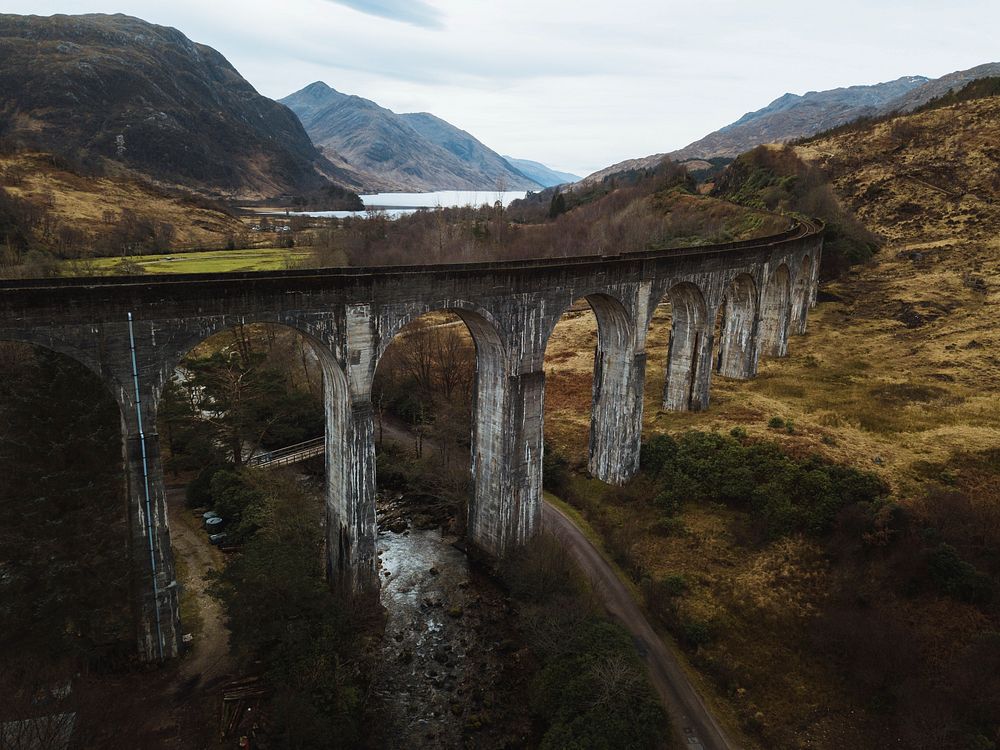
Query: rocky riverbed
454	672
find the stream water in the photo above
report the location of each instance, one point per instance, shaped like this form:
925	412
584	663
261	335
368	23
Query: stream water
452	673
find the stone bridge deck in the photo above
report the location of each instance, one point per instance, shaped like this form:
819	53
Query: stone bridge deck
133	332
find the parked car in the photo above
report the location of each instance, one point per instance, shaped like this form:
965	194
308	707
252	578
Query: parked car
214	524
218	539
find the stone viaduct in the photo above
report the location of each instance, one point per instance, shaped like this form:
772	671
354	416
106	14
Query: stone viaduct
134	331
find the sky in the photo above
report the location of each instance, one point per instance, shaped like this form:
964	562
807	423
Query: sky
576	84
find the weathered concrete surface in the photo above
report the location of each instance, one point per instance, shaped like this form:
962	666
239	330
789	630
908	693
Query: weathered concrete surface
351	315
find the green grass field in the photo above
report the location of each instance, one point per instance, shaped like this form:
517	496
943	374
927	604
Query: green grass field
207	261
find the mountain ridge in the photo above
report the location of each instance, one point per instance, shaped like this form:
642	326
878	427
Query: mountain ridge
415	151
793	116
116	91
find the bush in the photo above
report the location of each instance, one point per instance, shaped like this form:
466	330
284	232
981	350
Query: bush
199	489
785	495
956	577
776	423
696	633
591	690
555	472
284	619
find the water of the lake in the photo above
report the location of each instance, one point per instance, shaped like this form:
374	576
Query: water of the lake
400	204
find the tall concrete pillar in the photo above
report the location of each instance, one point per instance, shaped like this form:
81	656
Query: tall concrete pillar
702	378
155	588
505	510
775	314
350	455
616	415
350	495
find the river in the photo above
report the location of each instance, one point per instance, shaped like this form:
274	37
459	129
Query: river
453	671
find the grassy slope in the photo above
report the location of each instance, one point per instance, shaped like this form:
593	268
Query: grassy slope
81	201
207	261
860	387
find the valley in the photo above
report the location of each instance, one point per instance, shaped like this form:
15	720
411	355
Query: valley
699	450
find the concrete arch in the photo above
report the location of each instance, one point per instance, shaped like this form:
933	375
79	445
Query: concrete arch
157	625
682	389
485	517
776	309
615	325
347	510
189	339
738	332
616	405
482	324
67	350
801	294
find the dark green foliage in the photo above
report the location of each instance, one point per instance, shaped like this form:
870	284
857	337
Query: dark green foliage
776	179
236	497
956	577
199	490
595	696
696	633
555	471
784	494
591	690
285	621
558	205
64	541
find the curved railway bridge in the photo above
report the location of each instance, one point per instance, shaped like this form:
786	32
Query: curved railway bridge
133	332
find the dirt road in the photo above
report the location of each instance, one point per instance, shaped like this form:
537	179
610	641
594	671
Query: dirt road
209	658
696	727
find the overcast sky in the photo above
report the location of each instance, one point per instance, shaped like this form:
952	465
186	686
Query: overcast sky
576	84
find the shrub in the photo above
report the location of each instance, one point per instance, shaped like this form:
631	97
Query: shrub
776	423
956	577
555	472
784	494
695	633
199	489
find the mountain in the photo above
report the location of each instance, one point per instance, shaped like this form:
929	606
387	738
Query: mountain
543	175
400	152
939	87
792	116
117	92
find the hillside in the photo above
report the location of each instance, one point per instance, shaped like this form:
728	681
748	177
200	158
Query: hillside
793	116
115	92
939	87
898	375
415	152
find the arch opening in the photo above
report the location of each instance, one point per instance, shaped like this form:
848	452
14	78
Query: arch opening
776	313
438	398
67	606
251	396
736	329
687	339
593	403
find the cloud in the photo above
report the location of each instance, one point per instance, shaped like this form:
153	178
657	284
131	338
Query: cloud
415	12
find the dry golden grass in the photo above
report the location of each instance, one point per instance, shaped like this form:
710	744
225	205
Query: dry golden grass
861	388
82	201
